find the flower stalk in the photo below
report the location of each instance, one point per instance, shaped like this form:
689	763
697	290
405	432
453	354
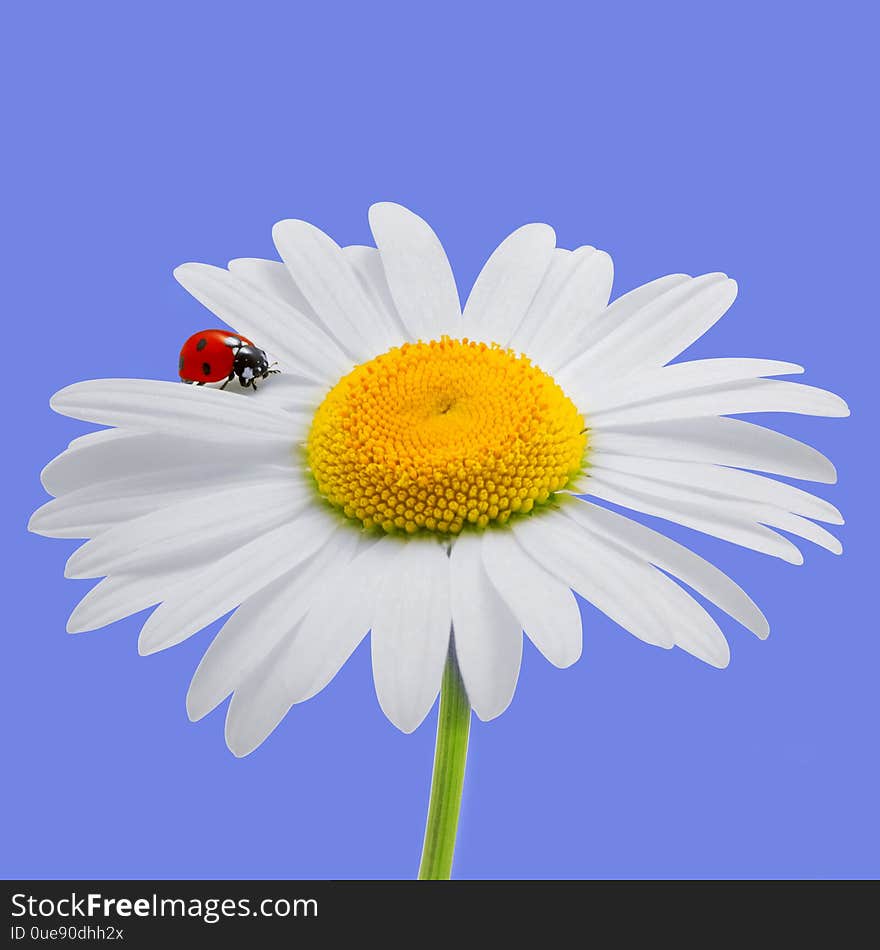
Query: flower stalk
450	756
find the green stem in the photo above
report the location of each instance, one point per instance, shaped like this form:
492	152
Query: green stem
450	754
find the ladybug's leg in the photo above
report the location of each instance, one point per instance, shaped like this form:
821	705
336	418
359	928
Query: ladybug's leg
228	380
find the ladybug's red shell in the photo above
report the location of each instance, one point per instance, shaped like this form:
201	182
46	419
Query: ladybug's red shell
209	355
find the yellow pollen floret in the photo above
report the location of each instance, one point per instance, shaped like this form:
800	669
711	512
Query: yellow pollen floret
442	435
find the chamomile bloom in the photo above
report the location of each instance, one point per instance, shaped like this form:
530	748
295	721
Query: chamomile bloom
431	475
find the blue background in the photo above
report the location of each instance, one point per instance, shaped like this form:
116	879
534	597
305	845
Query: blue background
678	138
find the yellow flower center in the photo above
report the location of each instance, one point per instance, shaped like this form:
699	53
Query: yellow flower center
436	436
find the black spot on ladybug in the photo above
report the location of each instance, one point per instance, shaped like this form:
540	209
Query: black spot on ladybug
201	345
206	369
180	364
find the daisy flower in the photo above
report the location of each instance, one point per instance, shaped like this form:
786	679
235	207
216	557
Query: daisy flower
431	475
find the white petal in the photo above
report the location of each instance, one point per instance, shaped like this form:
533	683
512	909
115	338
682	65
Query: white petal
575	287
94	508
172	408
658	331
121	595
255	711
765	395
304	664
618	313
69	518
123	454
274	325
189	530
367	264
599	393
802	528
289	392
545	608
675	558
261	623
521	335
324	275
508	282
723	481
599	574
721	441
419	276
275	280
693	629
487	637
574	309
341	614
726	519
614	574
93	439
410	632
233	578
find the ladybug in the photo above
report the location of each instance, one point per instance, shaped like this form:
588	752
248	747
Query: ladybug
211	355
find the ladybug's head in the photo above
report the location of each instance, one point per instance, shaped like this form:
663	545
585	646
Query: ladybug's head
250	363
